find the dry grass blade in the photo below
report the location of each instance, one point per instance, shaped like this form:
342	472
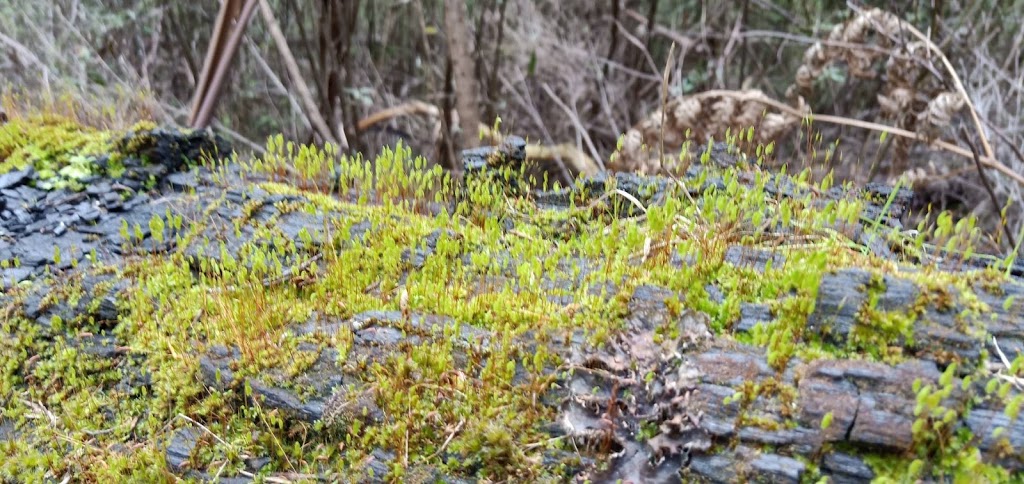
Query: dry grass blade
664	98
448	440
40	411
1017	382
631	199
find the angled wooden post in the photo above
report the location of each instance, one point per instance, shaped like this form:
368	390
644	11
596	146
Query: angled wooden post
229	11
231	24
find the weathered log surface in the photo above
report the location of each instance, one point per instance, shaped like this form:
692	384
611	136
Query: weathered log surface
643	407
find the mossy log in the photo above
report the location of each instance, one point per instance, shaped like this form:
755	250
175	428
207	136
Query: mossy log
206	317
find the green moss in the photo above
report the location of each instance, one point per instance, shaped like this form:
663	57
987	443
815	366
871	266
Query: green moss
61	151
64	153
882	334
960	464
486	409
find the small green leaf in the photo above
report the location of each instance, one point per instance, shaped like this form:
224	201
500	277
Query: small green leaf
990	387
915	468
826	421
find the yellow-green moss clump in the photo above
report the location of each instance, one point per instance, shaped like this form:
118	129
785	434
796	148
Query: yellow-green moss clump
490	407
61	151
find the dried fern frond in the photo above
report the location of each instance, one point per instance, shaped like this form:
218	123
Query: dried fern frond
877	44
698	118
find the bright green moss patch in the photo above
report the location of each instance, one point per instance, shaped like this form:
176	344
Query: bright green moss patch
61	151
962	464
881	333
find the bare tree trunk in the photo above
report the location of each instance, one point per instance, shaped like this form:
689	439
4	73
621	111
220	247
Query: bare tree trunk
467	97
492	80
446	145
337	25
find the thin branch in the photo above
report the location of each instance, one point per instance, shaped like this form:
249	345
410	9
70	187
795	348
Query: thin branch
1013	146
526	102
987	185
275	79
575	120
311	109
25	53
448	440
404	109
632	39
